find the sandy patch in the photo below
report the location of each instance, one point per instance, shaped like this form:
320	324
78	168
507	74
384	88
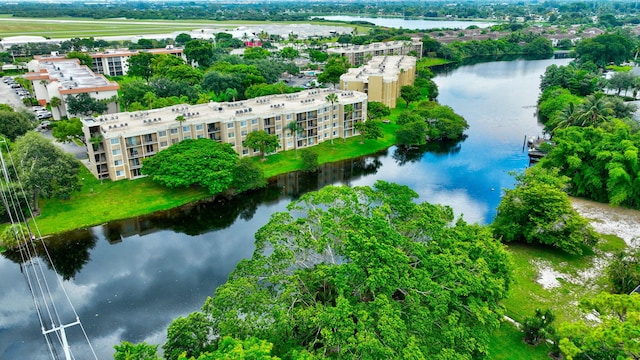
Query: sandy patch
605	219
548	277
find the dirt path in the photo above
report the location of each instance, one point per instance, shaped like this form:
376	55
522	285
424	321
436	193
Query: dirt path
605	219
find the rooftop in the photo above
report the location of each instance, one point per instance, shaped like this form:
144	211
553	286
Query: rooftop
386	66
147	121
71	76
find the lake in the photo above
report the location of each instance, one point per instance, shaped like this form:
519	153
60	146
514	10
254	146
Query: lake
129	279
412	24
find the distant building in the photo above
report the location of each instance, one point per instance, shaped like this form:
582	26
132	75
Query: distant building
59	77
360	54
116	62
381	78
127	138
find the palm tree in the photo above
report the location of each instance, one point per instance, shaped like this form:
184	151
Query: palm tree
594	110
332	98
295	128
231	94
55	102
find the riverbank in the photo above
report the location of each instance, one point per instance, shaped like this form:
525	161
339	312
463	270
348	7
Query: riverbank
99	202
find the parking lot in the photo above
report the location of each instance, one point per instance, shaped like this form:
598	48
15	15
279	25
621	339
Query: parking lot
8	96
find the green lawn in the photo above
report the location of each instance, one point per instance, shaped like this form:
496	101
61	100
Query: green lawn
507	344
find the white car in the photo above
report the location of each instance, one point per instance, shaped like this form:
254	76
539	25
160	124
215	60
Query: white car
43	115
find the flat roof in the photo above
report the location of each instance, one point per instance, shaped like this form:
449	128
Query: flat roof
72	77
148	121
386	66
373	46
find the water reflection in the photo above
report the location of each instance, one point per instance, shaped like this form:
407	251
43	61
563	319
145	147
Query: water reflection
128	279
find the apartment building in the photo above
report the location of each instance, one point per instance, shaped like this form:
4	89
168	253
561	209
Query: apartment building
360	54
116	62
381	78
117	143
54	76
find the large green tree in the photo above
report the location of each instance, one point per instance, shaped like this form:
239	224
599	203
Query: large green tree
83	104
14	124
140	65
366	272
67	130
614	336
44	169
538	211
604	49
336	66
262	141
410	93
199	51
202	162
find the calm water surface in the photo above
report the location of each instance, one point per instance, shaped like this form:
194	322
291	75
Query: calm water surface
413	24
129	279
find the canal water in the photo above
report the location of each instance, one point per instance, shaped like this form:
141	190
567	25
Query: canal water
129	279
412	24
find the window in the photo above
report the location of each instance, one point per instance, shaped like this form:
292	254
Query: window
115	141
229	125
120	173
186	129
243	123
335	124
288	134
326	126
117	163
278	127
174	131
162	133
289	143
163	143
245	151
243	133
174	141
199	127
231	134
288	116
115	152
320	111
200	136
326	135
278	117
186	137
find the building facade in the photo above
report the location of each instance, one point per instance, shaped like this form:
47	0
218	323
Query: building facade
117	143
360	54
60	77
381	78
116	62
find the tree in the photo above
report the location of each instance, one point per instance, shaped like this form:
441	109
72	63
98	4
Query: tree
262	141
68	130
140	65
55	102
188	335
44	169
538	327
377	110
614	336
332	99
540	46
83	104
183	38
309	161
133	91
623	272
538	211
605	49
199	51
412	134
365	272
14	124
621	81
289	53
248	349
247	176
369	130
141	351
253	53
410	94
84	58
201	162
185	73
295	128
336	66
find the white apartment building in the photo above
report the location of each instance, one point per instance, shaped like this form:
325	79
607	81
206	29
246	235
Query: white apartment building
127	138
60	77
116	62
360	54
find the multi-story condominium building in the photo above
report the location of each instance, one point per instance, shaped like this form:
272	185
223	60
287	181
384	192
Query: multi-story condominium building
59	77
381	78
360	54
124	139
116	62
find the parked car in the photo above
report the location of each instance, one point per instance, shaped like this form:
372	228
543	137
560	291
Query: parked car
45	125
43	115
38	109
15	86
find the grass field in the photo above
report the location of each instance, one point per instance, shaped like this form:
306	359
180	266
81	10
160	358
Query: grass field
507	344
83	28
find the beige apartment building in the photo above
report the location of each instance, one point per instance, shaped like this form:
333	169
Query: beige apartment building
116	62
55	76
127	138
360	54
381	78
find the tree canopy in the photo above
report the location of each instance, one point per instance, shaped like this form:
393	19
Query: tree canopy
14	124
202	162
262	141
538	211
84	104
366	272
67	130
44	169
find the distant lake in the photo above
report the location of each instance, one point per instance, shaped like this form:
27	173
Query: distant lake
413	24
